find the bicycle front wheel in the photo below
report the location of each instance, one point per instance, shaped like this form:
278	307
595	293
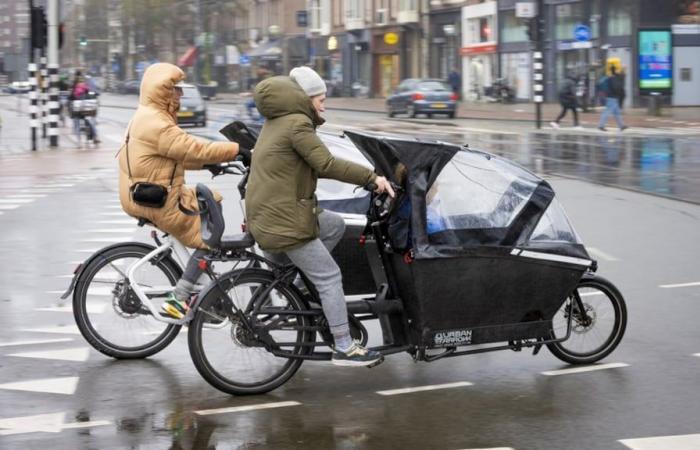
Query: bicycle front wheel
109	314
233	357
595	334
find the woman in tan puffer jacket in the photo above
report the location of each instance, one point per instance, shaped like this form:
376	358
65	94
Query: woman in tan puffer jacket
159	152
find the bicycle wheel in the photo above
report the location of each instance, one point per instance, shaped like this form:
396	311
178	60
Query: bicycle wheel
227	354
109	314
595	338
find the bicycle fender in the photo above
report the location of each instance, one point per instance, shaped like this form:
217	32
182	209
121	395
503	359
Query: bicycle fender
95	256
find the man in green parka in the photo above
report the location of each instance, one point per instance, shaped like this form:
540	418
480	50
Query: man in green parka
281	207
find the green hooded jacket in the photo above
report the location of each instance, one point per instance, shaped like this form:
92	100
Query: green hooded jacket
281	205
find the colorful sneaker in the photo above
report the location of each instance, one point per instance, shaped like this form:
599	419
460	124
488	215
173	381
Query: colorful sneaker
174	308
357	355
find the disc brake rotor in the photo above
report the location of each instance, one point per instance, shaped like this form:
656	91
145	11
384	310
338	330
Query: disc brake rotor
580	326
124	301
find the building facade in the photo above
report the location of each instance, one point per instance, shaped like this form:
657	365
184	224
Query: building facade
14	39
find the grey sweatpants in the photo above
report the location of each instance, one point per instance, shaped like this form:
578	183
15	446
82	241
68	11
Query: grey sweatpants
315	260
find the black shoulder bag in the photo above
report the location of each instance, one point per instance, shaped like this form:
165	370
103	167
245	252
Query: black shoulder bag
150	195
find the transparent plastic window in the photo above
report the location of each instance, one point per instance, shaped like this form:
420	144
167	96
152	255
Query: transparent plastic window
474	191
554	226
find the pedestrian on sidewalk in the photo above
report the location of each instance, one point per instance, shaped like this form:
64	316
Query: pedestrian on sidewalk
613	87
454	79
567	100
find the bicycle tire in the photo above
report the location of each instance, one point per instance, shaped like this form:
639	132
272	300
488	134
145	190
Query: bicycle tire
99	342
561	351
196	327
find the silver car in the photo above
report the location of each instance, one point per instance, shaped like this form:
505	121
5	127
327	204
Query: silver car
422	96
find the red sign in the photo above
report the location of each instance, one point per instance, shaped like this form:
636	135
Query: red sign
478	48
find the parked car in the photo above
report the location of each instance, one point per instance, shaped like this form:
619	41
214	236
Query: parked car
129	87
192	107
422	96
17	87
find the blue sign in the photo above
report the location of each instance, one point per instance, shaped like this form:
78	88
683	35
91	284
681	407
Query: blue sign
244	59
582	33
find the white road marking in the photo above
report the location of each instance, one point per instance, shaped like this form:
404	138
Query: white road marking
696	354
669	286
105	239
48	423
208	412
34	342
92	309
112	206
92	423
584	369
118	222
43	423
425	388
16	200
26	196
9	206
491	448
86	250
54	292
114	230
40	190
55	185
67	329
115	214
599	254
679	442
70	354
62	385
591	294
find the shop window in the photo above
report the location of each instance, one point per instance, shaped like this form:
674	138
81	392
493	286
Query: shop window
568	16
514	29
620	17
479	29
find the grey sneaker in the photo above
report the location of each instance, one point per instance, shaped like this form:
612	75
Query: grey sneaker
357	355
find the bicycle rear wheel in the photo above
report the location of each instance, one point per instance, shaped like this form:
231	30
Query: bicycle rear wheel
233	358
109	314
598	334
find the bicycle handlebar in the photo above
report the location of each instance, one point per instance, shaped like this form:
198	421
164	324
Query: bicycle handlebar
235	167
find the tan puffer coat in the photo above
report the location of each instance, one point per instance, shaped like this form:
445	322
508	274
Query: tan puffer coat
157	146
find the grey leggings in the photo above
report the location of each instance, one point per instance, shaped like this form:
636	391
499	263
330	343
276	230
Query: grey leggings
315	260
185	285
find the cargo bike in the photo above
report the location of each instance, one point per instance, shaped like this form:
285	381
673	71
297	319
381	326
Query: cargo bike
475	254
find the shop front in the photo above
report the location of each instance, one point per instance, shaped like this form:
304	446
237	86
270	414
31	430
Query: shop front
479	49
445	43
386	50
327	59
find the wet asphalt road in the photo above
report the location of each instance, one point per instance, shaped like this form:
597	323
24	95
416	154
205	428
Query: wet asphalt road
58	207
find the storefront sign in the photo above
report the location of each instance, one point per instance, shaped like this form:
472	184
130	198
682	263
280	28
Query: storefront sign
526	10
655	64
478	49
332	43
575	45
391	38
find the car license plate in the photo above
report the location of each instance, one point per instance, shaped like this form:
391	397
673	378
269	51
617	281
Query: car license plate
185	114
439	105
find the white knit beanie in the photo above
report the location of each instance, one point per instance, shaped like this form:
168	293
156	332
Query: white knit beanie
309	80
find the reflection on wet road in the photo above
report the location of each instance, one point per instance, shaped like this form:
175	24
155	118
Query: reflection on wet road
666	166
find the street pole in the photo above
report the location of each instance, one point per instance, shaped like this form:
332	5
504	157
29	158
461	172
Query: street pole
538	65
54	105
197	43
32	83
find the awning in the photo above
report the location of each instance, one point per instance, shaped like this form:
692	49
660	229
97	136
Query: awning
268	50
188	58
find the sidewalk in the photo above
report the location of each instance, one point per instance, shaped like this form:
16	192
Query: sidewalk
633	117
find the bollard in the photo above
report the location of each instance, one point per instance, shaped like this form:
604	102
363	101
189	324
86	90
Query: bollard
654	104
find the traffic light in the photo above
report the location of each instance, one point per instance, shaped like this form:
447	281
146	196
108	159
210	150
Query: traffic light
39	27
535	29
61	32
